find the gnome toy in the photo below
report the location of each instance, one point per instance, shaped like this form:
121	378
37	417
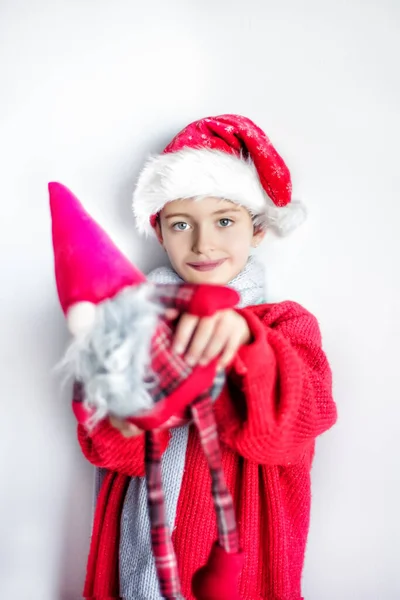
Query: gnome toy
123	365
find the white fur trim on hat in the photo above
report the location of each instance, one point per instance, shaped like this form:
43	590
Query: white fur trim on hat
200	173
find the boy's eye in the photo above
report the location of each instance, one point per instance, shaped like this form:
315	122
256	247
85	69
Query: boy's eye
181	226
225	222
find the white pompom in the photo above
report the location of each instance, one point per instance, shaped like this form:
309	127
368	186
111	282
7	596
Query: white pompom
81	317
290	217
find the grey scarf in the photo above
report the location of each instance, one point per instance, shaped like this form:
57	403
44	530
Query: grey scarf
138	580
249	283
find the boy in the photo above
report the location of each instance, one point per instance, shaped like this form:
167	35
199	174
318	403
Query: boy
210	198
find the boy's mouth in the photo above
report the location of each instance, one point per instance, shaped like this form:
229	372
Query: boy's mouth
206	265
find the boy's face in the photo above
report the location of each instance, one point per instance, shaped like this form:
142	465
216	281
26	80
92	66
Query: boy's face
208	240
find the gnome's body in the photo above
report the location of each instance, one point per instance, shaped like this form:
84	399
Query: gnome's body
124	366
247	436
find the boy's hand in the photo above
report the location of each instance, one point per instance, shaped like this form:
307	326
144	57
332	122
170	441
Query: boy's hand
127	429
203	339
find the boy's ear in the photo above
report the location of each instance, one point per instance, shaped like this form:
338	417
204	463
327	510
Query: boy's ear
258	237
158	231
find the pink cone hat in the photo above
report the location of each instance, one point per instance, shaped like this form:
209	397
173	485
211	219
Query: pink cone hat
88	265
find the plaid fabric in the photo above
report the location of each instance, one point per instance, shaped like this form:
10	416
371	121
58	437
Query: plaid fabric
204	419
167	369
164	555
163	550
174	295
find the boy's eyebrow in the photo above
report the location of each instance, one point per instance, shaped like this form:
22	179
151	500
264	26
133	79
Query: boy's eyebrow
225	210
217	212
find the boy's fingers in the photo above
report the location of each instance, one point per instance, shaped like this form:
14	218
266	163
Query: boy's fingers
171	313
184	332
229	353
203	335
124	427
116	422
222	334
215	347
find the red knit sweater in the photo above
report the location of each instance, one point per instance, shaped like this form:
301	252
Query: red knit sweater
276	402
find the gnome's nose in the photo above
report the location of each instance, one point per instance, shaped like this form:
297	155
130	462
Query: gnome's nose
81	317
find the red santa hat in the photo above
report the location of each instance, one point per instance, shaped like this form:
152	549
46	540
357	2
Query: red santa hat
225	157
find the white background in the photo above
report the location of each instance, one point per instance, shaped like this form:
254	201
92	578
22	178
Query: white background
88	89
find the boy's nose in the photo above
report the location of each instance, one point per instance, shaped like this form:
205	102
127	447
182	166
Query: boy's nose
202	241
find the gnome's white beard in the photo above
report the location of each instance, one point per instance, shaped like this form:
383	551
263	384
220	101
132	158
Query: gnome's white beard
112	360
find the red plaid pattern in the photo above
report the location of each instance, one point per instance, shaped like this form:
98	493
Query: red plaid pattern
164	555
203	415
163	550
173	295
168	370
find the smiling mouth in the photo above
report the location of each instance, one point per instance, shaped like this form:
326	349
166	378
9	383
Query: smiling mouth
206	265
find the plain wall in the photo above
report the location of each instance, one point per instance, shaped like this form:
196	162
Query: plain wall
87	89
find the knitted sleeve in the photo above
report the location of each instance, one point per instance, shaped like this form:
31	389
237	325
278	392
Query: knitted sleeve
106	447
279	393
